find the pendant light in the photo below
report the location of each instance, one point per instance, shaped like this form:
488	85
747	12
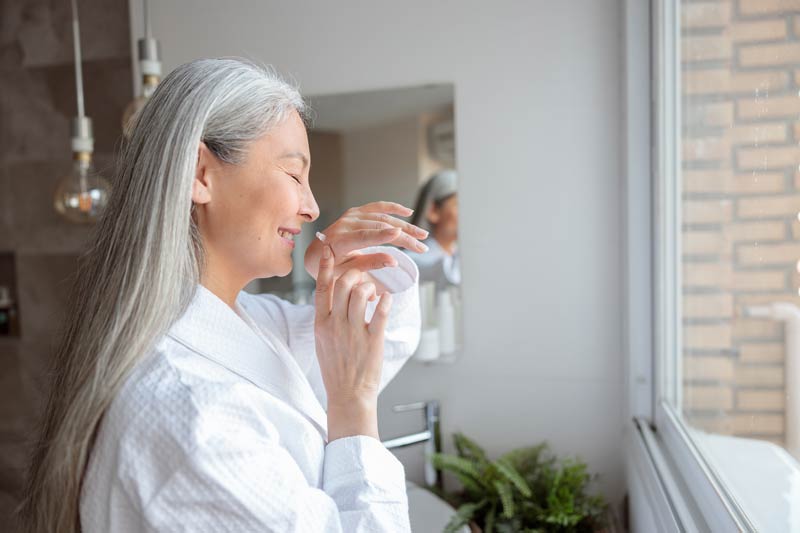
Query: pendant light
150	68
82	194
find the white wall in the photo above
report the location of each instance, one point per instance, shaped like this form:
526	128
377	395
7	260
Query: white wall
537	87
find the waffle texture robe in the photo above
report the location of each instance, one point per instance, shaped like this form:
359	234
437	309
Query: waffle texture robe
223	427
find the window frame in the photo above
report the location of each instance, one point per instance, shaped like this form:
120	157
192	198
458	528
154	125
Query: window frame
718	508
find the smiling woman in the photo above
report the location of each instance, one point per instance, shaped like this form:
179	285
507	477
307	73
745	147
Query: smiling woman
258	205
180	402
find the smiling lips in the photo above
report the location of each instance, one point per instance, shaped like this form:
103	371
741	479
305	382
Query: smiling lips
287	235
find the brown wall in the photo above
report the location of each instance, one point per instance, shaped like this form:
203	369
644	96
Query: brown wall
37	100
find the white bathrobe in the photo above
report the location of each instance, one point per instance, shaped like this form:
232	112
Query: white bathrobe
437	265
223	428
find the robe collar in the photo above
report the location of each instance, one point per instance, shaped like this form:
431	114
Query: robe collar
212	329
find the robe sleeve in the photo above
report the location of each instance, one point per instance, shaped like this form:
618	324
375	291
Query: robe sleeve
295	323
243	479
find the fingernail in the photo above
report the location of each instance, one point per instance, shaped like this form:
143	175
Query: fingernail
422	232
326	252
422	246
388	264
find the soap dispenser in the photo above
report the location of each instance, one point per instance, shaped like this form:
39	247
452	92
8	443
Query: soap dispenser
428	349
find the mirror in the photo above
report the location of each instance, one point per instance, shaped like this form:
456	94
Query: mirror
397	145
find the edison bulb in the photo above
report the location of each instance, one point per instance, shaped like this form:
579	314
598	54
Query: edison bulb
82	194
149	84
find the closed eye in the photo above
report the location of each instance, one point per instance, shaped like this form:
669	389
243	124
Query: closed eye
295	178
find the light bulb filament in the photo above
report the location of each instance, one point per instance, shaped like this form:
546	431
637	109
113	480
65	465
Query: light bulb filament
85	202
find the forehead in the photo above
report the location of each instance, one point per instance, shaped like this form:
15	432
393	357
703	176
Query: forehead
287	140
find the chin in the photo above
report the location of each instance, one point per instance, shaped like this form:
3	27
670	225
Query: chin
286	271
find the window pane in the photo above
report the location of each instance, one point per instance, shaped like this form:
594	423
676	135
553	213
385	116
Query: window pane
740	234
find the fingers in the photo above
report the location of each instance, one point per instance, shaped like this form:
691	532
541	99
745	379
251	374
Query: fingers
341	292
324	293
381	316
410	243
386	207
361	238
385	221
357	307
366	262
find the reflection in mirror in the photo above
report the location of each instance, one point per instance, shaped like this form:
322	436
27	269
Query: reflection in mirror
396	145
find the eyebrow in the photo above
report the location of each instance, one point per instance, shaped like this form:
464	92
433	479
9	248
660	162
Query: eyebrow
296	155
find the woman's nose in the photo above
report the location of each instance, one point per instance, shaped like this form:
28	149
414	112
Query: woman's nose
309	207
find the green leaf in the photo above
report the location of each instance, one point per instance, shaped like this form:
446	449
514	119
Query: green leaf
463	515
466	471
526	457
468	448
471	486
506	498
527	490
488	522
511	474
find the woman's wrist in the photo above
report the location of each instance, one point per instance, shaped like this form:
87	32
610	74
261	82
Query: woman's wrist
351	418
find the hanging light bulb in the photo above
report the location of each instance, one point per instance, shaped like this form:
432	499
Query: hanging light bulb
82	194
150	67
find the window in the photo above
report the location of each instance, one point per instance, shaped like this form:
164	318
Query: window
727	262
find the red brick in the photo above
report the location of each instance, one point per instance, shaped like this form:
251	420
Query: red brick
758	280
768	157
707	211
781	106
769	254
756	134
705	48
705	15
705	149
786	206
768	7
762	352
761	30
758	182
761	55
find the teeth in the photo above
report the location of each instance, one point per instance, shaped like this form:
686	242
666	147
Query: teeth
286	235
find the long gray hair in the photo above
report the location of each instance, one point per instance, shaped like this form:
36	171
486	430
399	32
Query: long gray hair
144	264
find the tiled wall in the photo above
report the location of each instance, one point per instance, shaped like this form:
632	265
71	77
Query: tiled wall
741	196
37	100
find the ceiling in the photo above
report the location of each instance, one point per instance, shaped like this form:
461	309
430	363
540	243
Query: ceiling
351	111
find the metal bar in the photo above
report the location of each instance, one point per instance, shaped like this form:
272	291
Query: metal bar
407	440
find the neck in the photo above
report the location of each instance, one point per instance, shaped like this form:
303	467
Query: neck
221	281
448	243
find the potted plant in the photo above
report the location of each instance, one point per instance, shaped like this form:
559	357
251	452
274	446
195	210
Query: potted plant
525	491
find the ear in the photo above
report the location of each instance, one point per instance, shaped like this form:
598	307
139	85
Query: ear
433	214
201	186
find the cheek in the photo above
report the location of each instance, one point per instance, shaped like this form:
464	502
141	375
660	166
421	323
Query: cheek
244	218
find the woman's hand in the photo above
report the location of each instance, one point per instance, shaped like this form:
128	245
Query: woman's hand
349	350
359	227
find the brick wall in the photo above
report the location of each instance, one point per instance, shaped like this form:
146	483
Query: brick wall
741	198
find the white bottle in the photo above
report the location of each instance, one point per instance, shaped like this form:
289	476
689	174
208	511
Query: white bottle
428	349
458	317
446	323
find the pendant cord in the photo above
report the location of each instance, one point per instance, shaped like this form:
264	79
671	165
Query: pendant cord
147	32
76	36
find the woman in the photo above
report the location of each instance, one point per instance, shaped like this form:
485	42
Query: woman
181	403
436	210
